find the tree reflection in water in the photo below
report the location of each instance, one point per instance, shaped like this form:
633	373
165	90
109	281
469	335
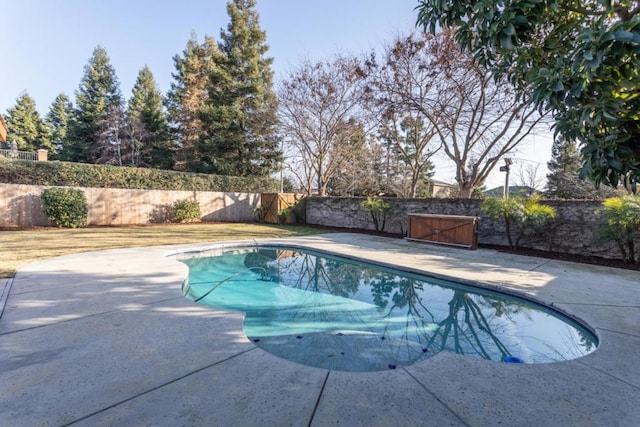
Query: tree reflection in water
413	317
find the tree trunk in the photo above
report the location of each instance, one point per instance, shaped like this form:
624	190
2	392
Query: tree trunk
465	192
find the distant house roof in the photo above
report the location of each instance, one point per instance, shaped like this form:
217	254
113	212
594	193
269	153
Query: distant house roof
514	190
3	129
442	183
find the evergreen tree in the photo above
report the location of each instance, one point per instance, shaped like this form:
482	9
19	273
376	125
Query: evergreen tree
187	95
98	93
563	180
26	127
113	145
60	112
149	131
239	133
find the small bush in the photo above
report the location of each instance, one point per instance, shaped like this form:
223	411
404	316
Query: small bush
528	215
65	207
186	211
621	224
260	213
378	209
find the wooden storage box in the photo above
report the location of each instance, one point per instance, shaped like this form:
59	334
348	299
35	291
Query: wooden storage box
453	230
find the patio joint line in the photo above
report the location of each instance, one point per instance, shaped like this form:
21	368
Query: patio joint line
455	414
315	407
598	305
609	375
84	317
135	396
4	297
540	265
618	332
18	291
58	322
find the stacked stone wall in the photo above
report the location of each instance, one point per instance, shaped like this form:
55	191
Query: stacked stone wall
573	230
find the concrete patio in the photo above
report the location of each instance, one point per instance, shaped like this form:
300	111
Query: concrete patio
106	338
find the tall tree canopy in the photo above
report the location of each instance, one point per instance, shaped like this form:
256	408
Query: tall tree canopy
58	117
98	94
563	181
187	96
239	117
322	112
412	142
26	127
579	59
458	104
148	128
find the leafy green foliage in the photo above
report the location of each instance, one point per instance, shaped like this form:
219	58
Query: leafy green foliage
239	117
563	181
26	127
58	118
65	207
411	143
187	96
378	209
260	213
579	60
621	224
98	94
186	211
149	130
527	215
102	176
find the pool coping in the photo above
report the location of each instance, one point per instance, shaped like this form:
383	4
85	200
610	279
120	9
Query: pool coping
58	306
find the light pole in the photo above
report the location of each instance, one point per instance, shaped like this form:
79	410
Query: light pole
505	168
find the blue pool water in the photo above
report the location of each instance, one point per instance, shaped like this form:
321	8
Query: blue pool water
334	313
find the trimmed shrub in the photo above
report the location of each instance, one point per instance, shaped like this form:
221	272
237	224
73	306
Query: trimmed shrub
620	224
528	215
65	207
378	209
186	211
67	174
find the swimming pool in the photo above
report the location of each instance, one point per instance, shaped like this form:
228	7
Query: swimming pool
334	313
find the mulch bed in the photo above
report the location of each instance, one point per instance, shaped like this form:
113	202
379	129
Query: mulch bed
617	263
594	260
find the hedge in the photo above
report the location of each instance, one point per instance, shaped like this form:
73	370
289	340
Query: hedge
102	176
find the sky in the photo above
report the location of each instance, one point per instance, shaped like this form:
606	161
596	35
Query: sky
45	44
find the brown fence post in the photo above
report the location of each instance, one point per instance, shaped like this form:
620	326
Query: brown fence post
43	155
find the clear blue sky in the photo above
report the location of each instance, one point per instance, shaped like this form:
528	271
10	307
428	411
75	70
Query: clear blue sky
45	44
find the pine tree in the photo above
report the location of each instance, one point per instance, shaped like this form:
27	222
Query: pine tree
98	93
239	133
563	180
186	97
113	145
26	127
57	119
149	131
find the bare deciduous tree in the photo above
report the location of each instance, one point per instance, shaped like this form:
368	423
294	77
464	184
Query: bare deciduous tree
529	175
323	121
411	144
476	119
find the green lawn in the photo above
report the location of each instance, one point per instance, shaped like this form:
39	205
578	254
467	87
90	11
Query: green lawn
21	247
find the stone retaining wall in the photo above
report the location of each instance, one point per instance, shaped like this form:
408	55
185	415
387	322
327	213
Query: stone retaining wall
20	205
572	231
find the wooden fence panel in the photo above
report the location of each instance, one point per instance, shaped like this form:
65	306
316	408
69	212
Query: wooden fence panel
274	203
